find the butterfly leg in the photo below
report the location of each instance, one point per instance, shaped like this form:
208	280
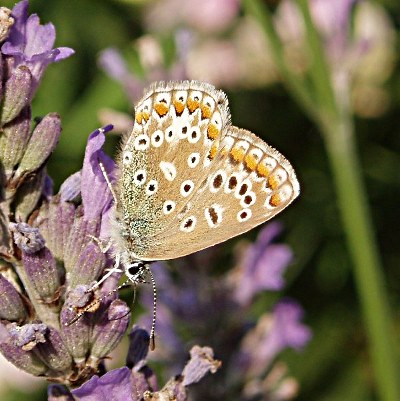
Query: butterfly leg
114	269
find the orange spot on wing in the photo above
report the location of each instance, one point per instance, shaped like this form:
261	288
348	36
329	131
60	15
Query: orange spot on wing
237	154
179	107
212	131
213	151
275	200
161	109
139	118
205	111
145	115
273	183
193	105
251	162
262	170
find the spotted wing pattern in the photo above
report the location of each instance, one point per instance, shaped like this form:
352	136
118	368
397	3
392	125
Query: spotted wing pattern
189	179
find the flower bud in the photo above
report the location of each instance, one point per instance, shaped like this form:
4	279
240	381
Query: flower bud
76	335
25	360
11	306
43	274
79	238
55	221
70	189
201	362
41	144
89	266
28	195
16	94
56	392
13	139
108	332
27	336
54	352
139	341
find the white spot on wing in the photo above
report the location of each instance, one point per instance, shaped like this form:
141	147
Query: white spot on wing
127	157
243	215
193	159
187	187
168	170
169	206
142	142
157	138
139	177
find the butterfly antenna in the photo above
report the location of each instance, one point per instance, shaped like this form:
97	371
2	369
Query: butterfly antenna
153	323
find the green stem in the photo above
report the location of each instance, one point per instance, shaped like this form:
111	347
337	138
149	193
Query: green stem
339	139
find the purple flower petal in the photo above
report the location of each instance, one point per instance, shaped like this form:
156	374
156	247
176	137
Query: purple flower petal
70	189
27	336
31	44
115	385
288	330
111	61
96	196
201	362
272	334
27	238
263	266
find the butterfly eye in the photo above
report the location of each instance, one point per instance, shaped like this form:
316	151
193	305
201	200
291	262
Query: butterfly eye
134	269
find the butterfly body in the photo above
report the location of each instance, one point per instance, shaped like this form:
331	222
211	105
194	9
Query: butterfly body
188	179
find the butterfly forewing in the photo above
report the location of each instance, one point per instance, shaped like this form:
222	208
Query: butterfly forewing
191	180
176	134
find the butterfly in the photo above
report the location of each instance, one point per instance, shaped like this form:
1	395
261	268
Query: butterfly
188	179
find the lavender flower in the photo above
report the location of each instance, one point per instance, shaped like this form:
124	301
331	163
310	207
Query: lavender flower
46	238
49	244
31	44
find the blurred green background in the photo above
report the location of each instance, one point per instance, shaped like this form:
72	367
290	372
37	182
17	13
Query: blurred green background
336	364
